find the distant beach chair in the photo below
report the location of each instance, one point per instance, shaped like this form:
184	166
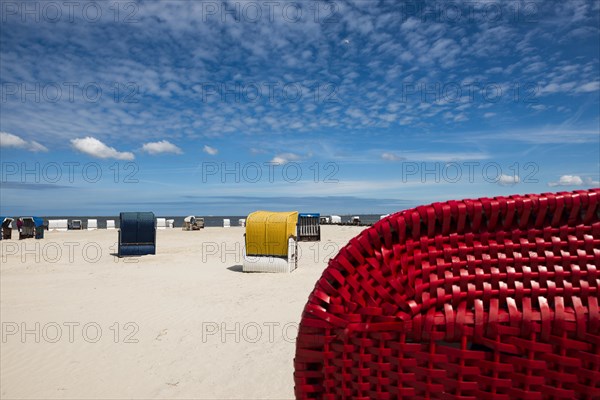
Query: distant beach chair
226	223
494	298
58	225
191	223
242	222
170	223
27	228
6	228
110	224
355	220
270	242
137	234
188	223
161	223
309	228
324	220
336	219
92	224
39	227
76	224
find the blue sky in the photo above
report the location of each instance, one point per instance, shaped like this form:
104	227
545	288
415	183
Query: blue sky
336	107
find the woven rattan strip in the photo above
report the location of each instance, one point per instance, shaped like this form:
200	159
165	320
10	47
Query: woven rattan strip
495	298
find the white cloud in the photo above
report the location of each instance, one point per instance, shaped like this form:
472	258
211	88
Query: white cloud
589	87
391	157
567	180
95	148
489	115
10	140
210	150
505	180
590	182
163	146
284	158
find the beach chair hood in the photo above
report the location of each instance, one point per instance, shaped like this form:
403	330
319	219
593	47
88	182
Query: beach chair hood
38	221
267	232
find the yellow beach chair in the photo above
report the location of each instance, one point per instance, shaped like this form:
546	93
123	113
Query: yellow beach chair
271	244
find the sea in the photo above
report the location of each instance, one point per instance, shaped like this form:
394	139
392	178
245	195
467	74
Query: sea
209	221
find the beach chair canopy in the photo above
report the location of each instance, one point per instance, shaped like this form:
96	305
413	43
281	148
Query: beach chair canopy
267	232
28	221
6	222
495	298
92	224
190	219
37	221
137	233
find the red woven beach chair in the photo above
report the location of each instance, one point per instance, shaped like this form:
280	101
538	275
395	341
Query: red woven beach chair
475	299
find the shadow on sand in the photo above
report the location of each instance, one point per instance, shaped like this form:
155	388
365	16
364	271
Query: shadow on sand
235	268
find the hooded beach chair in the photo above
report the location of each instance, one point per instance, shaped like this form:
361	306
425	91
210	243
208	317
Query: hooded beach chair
110	224
495	298
191	223
76	224
309	228
58	225
6	228
137	234
39	227
161	223
27	229
188	223
92	224
270	242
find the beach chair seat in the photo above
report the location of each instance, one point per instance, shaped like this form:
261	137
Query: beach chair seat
495	298
137	234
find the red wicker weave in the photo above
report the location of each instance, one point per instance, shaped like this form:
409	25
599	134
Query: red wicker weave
474	299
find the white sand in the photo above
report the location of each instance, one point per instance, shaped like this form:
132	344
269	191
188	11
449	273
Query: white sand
178	300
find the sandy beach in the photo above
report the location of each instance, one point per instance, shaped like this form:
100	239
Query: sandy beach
80	323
